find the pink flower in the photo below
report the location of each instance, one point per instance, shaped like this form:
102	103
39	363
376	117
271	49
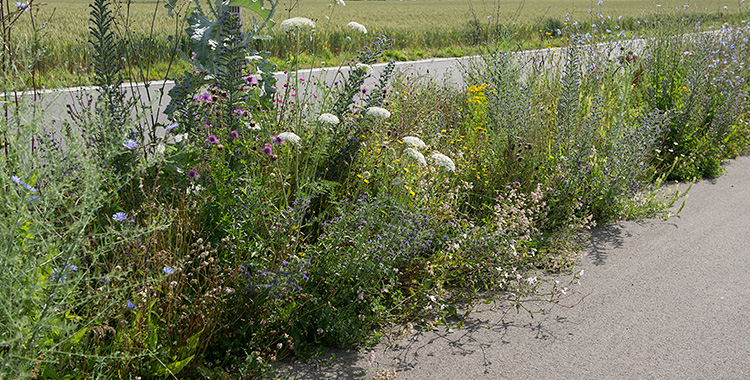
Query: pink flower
277	140
268	150
192	174
251	80
204	97
212	139
234	135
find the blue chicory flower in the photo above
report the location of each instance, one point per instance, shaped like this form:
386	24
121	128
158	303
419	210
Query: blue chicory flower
130	144
119	216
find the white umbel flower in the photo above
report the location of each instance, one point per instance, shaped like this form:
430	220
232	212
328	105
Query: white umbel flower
419	157
378	112
328	118
364	67
296	23
357	27
443	162
290	137
414	141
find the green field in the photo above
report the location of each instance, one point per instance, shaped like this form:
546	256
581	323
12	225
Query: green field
420	29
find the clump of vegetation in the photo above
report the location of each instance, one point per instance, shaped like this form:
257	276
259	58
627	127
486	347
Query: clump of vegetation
257	224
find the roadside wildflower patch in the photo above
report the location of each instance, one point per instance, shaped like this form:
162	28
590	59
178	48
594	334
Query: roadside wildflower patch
257	224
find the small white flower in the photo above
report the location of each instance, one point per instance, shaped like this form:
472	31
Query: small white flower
178	138
328	118
443	162
213	44
253	126
419	157
366	68
296	23
339	2
357	27
290	137
378	112
415	142
160	149
531	280
252	58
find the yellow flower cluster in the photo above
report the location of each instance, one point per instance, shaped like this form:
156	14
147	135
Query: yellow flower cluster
476	94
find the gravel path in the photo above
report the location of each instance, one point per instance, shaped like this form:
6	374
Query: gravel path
661	300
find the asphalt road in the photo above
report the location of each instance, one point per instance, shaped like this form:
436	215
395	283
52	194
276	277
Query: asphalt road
657	300
153	97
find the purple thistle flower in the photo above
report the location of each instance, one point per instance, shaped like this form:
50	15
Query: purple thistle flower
517	183
212	139
119	216
268	149
204	97
168	270
239	112
193	174
234	135
277	140
251	80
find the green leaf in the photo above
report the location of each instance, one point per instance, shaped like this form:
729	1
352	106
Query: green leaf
78	336
255	6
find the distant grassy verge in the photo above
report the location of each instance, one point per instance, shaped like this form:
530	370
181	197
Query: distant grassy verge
57	32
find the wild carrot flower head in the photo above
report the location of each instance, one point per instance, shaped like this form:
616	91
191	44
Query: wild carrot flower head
379	113
289	136
296	23
444	162
414	142
366	68
328	118
419	157
357	27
